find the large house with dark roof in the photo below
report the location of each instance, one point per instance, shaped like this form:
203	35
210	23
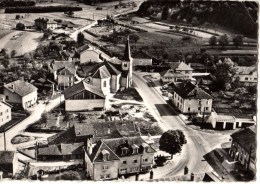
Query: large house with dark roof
243	148
141	58
83	96
8	163
189	98
112	158
179	71
20	93
63	72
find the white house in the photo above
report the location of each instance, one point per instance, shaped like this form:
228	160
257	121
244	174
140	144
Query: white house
189	98
247	75
83	96
88	54
20	92
5	112
178	71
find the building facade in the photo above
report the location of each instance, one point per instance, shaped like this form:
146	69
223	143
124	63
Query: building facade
141	58
8	163
189	98
5	112
247	75
21	93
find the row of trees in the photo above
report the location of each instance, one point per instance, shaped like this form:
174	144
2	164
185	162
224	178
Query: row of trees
12	3
41	9
224	41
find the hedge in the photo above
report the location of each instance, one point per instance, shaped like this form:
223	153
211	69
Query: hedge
8	3
41	9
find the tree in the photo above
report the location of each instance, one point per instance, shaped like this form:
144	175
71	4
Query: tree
223	40
225	73
81	117
13	53
5	62
80	39
213	41
238	41
165	12
20	26
172	141
67	117
47	33
135	38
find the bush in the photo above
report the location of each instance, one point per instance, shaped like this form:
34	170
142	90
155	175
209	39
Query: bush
42	9
8	3
20	26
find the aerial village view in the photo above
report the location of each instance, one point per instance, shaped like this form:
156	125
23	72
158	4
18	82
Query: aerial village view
128	90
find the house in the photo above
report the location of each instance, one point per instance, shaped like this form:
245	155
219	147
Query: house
21	93
8	163
141	58
60	152
189	98
43	84
178	71
83	96
247	75
5	112
43	24
243	148
63	72
112	158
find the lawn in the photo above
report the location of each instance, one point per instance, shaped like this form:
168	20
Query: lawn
128	94
4	32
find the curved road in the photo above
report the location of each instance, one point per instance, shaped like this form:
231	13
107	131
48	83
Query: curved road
196	147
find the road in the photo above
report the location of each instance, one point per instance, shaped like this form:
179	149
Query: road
197	144
20	127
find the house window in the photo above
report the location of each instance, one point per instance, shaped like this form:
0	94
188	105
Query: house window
124	162
200	102
7	97
125	64
246	78
108	176
7	117
189	109
101	177
189	101
135	161
1	113
145	160
123	169
7	110
133	169
199	108
206	108
207	102
255	78
105	84
105	167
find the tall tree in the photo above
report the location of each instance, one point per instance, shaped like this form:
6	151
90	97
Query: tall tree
5	62
172	141
223	40
213	41
238	41
80	39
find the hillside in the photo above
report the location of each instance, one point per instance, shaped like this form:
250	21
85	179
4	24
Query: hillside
238	16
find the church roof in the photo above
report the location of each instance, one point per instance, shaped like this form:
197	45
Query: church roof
127	52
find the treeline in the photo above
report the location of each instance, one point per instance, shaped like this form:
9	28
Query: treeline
11	3
42	9
235	15
94	2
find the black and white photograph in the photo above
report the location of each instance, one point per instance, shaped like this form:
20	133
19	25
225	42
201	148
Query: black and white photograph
129	90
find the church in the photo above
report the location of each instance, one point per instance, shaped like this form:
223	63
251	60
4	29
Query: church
110	77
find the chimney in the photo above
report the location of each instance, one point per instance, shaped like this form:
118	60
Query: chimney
89	146
191	177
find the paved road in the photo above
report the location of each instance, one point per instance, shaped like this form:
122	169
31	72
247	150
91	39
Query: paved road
20	127
196	147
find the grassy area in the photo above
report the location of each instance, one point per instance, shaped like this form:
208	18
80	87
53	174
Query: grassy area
4	32
21	139
128	94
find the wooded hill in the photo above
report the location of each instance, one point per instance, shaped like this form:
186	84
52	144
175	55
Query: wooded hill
239	16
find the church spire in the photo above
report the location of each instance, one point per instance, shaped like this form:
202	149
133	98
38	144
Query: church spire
127	53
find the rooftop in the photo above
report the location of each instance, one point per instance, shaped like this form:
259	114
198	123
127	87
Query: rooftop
56	65
187	90
246	70
20	87
6	157
141	54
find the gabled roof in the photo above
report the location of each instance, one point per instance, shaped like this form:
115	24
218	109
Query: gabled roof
171	73
62	149
6	157
246	138
66	70
56	65
246	70
187	90
65	136
180	66
101	73
104	70
20	87
82	48
82	86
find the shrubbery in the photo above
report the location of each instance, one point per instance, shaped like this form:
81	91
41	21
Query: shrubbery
41	9
8	3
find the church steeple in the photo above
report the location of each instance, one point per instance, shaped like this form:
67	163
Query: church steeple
127	53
